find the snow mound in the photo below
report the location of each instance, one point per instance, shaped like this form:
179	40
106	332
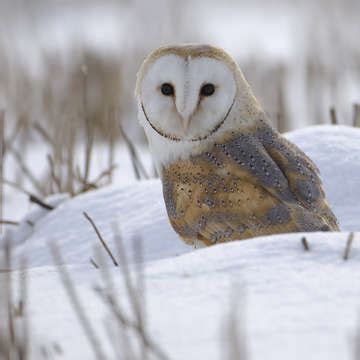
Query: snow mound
139	209
336	151
294	304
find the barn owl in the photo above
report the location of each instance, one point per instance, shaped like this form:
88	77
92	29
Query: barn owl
226	173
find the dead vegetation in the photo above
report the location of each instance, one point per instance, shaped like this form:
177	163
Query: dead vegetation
305	243
235	344
349	242
14	327
136	342
134	339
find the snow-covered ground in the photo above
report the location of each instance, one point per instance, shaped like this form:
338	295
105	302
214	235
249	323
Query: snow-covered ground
292	303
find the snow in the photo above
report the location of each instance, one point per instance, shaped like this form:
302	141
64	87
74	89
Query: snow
336	151
292	303
298	304
137	209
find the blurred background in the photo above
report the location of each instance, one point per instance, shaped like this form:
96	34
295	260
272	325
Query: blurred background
67	75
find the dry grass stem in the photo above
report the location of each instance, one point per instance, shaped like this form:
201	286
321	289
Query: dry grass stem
9	222
356	119
37	201
8	291
136	294
236	345
2	159
16	132
90	333
14	335
356	354
23	301
27	172
305	243
140	281
133	294
16	186
93	263
101	239
125	271
44	134
55	178
138	167
103	174
32	198
89	129
333	116
348	246
127	323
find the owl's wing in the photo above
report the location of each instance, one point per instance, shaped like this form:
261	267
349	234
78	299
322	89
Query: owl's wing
283	190
302	175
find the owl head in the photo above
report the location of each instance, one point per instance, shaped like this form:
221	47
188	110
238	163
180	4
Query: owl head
188	95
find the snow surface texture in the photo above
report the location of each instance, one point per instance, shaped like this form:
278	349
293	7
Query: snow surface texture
294	304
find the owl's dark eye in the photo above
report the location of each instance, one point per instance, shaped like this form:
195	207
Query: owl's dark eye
167	89
207	89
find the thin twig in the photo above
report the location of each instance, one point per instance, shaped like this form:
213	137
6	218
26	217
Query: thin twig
282	118
44	134
125	271
71	138
102	241
16	186
88	127
16	132
33	198
127	349
94	184
8	292
348	246
9	222
26	171
138	325
141	295
23	347
39	202
103	174
120	316
134	295
235	328
93	263
55	178
57	348
356	353
356	119
2	159
75	301
305	244
111	137
333	116
138	167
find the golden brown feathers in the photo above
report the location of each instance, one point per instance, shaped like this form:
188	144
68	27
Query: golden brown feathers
250	184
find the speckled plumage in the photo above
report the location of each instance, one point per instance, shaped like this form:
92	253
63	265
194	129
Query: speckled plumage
248	184
229	175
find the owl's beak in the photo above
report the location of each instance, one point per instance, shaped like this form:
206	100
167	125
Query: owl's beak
186	111
185	121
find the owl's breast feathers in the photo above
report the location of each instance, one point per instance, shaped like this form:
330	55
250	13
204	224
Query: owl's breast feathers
249	184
